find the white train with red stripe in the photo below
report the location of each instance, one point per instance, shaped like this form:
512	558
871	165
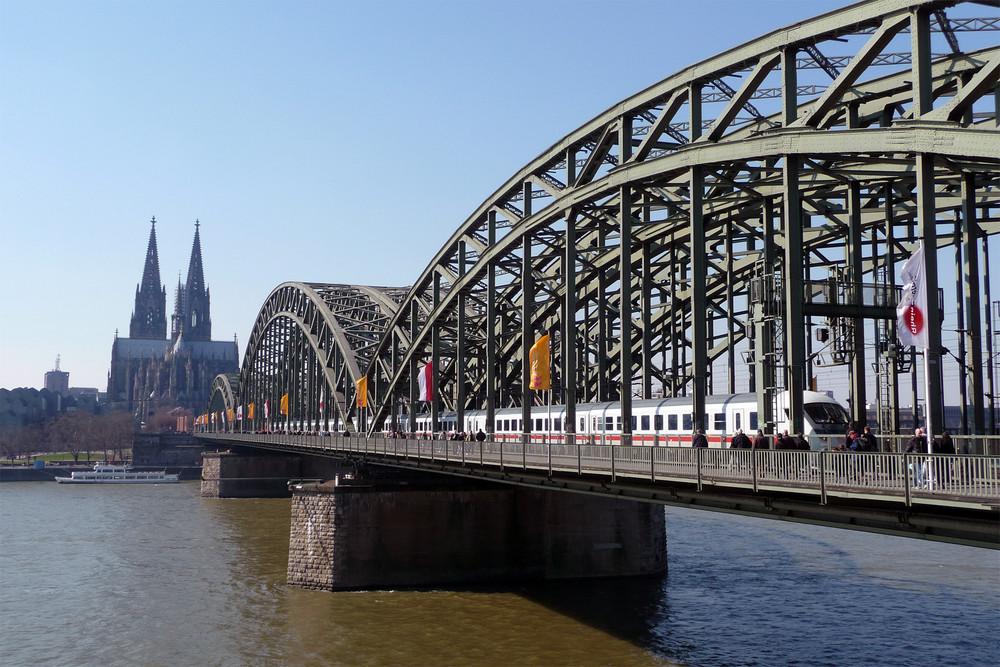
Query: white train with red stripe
655	422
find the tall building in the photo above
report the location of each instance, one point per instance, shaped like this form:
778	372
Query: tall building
57	381
147	368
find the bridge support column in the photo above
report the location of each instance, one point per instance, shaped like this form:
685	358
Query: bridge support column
395	534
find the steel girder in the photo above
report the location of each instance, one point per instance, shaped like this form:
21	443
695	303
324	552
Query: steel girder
312	342
225	389
717	196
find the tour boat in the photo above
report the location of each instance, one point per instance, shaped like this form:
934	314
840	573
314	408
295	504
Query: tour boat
106	473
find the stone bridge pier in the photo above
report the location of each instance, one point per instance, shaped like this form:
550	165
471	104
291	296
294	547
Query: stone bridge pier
237	474
401	530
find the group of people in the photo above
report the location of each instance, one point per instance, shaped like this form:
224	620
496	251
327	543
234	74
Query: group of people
457	436
918	443
928	473
741	440
863	441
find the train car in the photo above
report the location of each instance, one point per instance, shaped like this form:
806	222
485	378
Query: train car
659	421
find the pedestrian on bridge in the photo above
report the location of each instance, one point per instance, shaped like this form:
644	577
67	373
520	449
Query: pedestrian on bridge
740	441
699	440
916	445
871	442
760	441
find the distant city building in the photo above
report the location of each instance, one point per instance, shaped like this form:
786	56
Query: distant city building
147	367
57	381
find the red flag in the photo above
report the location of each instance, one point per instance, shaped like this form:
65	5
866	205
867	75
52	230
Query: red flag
425	379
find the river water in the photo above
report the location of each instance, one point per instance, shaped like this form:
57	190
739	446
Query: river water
157	575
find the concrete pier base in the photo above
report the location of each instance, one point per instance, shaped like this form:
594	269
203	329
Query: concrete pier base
396	534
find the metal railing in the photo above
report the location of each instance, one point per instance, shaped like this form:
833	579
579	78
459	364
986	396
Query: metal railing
909	478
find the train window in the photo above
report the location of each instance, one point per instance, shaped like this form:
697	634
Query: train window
738	425
671	422
583	424
538	425
618	422
720	421
658	422
645	422
609	423
558	424
686	421
753	421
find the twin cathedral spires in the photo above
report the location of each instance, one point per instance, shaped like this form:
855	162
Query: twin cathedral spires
191	318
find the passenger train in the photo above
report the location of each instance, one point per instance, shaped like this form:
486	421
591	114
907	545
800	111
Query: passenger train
656	422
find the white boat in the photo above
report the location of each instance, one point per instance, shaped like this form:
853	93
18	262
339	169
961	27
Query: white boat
106	473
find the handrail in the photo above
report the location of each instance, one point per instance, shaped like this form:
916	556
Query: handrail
908	478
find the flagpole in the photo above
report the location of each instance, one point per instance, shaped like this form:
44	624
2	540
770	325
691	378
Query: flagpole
927	401
549	417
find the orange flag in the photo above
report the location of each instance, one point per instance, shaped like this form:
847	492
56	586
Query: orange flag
539	358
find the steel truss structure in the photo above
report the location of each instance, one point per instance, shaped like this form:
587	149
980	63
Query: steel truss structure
695	239
311	342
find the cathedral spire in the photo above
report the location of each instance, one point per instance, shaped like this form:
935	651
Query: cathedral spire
196	274
149	318
191	314
151	271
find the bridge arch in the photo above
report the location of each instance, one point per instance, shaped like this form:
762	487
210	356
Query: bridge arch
742	218
222	402
311	342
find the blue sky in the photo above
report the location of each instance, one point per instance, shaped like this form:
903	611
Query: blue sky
316	141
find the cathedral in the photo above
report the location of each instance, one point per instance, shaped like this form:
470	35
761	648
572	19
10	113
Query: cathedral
148	369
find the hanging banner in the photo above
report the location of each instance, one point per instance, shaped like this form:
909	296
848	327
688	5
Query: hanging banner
425	380
911	313
538	357
362	392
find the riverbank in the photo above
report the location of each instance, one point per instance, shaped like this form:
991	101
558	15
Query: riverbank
49	473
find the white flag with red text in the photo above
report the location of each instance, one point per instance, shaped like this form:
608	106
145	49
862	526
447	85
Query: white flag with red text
911	313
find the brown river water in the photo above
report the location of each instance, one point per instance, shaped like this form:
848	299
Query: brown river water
157	575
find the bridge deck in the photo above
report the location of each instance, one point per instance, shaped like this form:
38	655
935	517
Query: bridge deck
908	479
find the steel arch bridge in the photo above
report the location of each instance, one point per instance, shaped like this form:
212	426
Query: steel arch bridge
690	238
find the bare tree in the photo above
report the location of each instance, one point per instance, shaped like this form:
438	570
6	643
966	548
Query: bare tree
117	430
68	433
15	443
